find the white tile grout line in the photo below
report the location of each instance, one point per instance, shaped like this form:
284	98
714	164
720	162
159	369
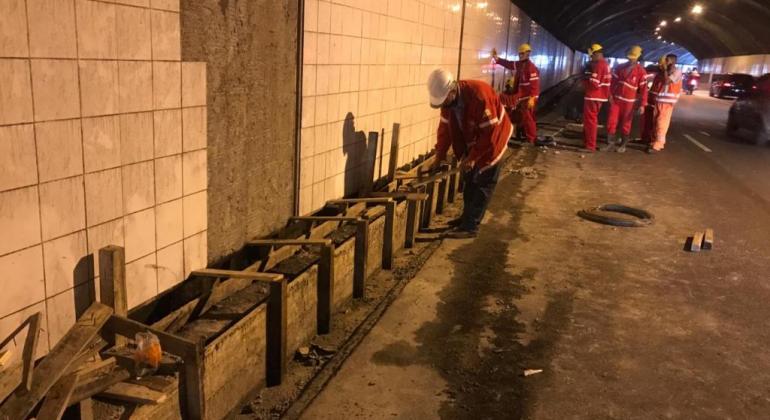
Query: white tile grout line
697	143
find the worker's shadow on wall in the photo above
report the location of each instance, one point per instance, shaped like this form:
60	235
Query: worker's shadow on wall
360	154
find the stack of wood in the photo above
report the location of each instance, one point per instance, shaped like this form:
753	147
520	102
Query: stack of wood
75	370
701	241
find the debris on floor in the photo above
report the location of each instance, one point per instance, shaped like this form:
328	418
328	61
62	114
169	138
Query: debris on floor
526	172
314	355
700	241
530	372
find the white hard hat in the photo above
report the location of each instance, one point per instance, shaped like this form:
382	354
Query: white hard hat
440	83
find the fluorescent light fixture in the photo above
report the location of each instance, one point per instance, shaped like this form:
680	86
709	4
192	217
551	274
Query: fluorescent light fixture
455	7
678	19
660	37
482	5
697	9
663	23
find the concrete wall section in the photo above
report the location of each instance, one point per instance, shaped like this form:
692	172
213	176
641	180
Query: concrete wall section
755	65
251	51
102	142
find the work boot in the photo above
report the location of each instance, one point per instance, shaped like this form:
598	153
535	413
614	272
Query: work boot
610	143
623	142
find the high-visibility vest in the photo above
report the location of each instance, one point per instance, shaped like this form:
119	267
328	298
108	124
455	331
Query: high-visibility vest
667	93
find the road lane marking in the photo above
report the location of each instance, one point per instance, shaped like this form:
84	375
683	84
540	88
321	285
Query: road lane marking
705	134
697	143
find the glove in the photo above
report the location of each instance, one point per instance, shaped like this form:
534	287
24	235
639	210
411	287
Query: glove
531	103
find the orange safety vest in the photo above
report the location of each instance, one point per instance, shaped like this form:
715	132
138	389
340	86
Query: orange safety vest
667	93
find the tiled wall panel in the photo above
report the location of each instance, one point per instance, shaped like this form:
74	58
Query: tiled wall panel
756	65
365	67
102	141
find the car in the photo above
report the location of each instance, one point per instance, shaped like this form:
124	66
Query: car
751	113
731	85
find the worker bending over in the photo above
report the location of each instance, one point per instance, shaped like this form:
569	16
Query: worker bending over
666	88
629	82
526	84
474	123
597	92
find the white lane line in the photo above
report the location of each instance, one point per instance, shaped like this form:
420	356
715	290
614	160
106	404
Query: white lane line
697	143
705	133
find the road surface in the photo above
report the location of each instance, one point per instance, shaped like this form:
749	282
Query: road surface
623	323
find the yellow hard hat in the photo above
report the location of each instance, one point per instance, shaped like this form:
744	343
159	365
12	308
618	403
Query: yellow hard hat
594	48
634	52
523	48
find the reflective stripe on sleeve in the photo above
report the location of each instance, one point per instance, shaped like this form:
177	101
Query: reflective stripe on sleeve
444	120
493	121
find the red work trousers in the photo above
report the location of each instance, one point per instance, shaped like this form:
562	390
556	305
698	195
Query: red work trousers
621	112
648	124
527	121
590	122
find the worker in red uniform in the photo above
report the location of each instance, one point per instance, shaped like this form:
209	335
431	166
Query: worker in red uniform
629	83
666	88
527	86
474	123
597	92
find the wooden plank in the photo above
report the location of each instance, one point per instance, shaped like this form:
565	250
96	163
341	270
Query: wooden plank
452	187
282	242
367	200
57	399
405	195
323	230
10	380
275	353
30	350
94	368
325	289
697	239
708	240
430	205
97	384
326	218
123	391
234	274
158	383
387	240
178	318
441	196
49	371
355	210
276	256
112	282
5	358
393	162
359	259
86	409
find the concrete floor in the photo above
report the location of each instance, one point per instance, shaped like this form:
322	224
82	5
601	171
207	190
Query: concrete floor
623	322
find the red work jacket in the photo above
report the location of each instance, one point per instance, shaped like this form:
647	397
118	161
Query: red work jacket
598	80
629	81
526	80
479	131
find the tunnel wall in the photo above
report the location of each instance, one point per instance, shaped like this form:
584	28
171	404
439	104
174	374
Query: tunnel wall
756	65
365	64
102	142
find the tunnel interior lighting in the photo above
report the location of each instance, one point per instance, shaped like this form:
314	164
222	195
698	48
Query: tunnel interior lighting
660	37
482	5
663	23
657	29
678	19
697	9
455	7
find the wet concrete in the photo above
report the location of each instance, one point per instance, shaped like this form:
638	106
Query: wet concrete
623	322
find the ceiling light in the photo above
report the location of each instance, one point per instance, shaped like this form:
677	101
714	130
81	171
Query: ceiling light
455	7
482	5
697	9
663	23
660	37
657	29
678	19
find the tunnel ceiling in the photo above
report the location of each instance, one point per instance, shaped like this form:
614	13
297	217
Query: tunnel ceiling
724	28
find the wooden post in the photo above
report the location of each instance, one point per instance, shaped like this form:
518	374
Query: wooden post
411	225
441	195
325	289
359	264
112	283
275	356
452	187
387	241
393	162
430	205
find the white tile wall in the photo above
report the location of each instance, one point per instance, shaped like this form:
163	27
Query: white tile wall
96	109
365	67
